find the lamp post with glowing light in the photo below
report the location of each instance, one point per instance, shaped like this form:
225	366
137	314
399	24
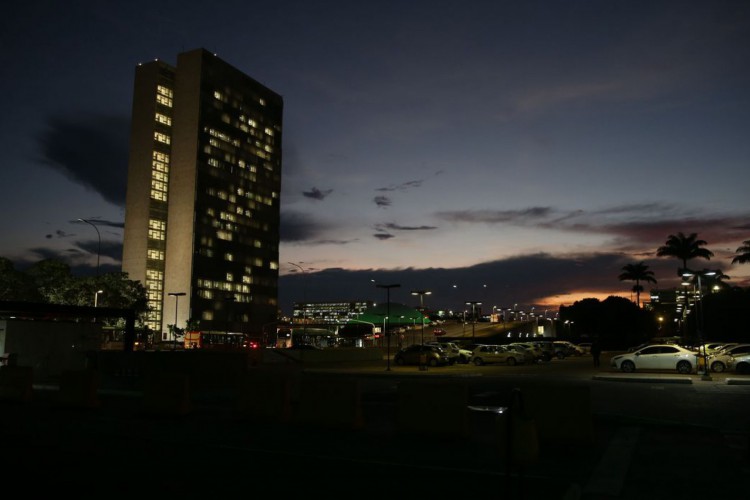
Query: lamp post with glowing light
388	314
687	273
99	247
304	295
421	294
96	297
473	304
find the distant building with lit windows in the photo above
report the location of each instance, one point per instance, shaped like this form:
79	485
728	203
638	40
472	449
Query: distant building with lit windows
328	312
203	195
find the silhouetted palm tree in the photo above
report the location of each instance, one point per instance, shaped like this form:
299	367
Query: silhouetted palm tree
637	272
743	253
684	248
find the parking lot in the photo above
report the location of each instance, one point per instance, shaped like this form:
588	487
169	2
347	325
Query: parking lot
649	439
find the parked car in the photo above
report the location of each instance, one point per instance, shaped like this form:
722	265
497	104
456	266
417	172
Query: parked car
521	354
563	349
433	355
719	360
486	354
585	347
709	347
740	364
537	354
455	352
657	357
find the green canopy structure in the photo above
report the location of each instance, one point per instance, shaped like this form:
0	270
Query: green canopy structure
400	315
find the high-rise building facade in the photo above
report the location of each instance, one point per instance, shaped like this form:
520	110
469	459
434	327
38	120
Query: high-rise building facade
203	195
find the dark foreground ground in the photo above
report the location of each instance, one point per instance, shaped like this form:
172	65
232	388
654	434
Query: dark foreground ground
117	449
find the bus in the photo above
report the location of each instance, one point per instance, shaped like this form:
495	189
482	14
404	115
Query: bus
225	341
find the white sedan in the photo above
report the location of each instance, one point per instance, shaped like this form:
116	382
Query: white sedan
657	357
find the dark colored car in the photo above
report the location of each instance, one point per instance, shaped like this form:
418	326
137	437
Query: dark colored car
412	355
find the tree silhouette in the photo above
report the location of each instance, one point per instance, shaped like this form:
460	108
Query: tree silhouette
684	248
637	272
743	253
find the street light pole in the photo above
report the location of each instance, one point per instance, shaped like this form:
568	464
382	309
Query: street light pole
473	305
421	294
388	314
96	297
99	247
176	296
686	273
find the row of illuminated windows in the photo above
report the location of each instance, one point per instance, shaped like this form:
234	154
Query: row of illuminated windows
224	137
159	185
163	138
158	166
165	91
238	209
157	228
165	101
214	162
236	142
155	306
223	195
161	177
164	95
242	164
155	276
155	254
163	119
158	195
160	157
220	96
220	151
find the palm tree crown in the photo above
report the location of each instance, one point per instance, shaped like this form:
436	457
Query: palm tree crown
637	272
684	248
743	253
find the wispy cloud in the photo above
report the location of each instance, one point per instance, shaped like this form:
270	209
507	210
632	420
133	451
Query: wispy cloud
397	227
404	186
317	194
382	201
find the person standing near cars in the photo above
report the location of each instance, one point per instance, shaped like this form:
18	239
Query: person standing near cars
596	350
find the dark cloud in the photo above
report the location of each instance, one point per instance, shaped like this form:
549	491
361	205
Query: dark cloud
91	151
631	226
519	280
382	201
383	236
82	263
497	216
401	187
317	194
336	242
109	248
58	234
396	227
298	226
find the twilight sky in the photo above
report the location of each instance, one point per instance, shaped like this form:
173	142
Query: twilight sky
494	151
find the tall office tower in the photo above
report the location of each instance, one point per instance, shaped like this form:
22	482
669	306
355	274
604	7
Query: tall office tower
203	196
